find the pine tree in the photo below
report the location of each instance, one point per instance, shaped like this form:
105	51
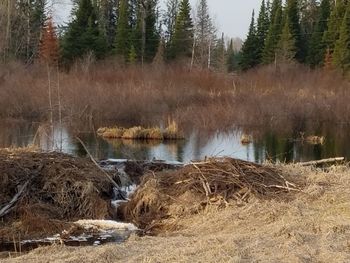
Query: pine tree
83	34
249	51
331	35
342	47
292	15
122	43
274	33
49	52
182	42
286	49
317	49
262	28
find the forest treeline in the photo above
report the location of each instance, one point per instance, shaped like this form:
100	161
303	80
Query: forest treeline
312	32
316	33
133	31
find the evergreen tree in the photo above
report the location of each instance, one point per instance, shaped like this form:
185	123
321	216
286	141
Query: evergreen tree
308	20
286	49
145	34
317	48
182	42
83	34
123	31
292	15
169	21
204	33
274	33
331	35
262	28
152	34
107	16
219	54
250	54
342	48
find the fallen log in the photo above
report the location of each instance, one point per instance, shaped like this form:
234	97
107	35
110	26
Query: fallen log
7	208
323	161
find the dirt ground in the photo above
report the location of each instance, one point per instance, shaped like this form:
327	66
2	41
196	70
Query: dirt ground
312	227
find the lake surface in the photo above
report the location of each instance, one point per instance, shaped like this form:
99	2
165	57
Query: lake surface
266	145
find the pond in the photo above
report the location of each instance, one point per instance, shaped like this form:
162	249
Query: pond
267	144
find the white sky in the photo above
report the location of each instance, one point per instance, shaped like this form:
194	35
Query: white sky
231	16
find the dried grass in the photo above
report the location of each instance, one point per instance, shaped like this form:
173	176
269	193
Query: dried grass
191	189
312	227
139	133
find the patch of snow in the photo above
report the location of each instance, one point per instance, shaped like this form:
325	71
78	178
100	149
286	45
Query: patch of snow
106	225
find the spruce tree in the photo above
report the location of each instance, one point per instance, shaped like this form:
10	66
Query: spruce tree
286	49
152	34
182	42
169	21
292	15
274	33
317	48
341	57
308	20
250	56
331	35
122	43
83	34
262	28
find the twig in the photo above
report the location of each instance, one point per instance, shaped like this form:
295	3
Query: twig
7	208
97	165
323	161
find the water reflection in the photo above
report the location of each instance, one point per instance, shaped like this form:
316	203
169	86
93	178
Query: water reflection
267	144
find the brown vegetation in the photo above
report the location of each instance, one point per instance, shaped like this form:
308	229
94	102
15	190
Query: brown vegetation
58	189
139	133
191	189
291	97
312	227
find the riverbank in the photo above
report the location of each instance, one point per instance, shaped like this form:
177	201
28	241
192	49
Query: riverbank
312	226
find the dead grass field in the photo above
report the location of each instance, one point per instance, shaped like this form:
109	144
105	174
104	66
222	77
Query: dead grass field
312	227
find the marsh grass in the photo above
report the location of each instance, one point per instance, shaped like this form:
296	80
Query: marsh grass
139	133
291	97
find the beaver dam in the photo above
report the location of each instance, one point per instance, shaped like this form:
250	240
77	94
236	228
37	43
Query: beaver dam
222	210
45	196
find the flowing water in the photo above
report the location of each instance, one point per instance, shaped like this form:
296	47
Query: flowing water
266	144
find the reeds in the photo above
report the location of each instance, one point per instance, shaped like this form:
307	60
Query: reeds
139	133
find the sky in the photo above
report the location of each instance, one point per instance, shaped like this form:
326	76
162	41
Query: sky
231	16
